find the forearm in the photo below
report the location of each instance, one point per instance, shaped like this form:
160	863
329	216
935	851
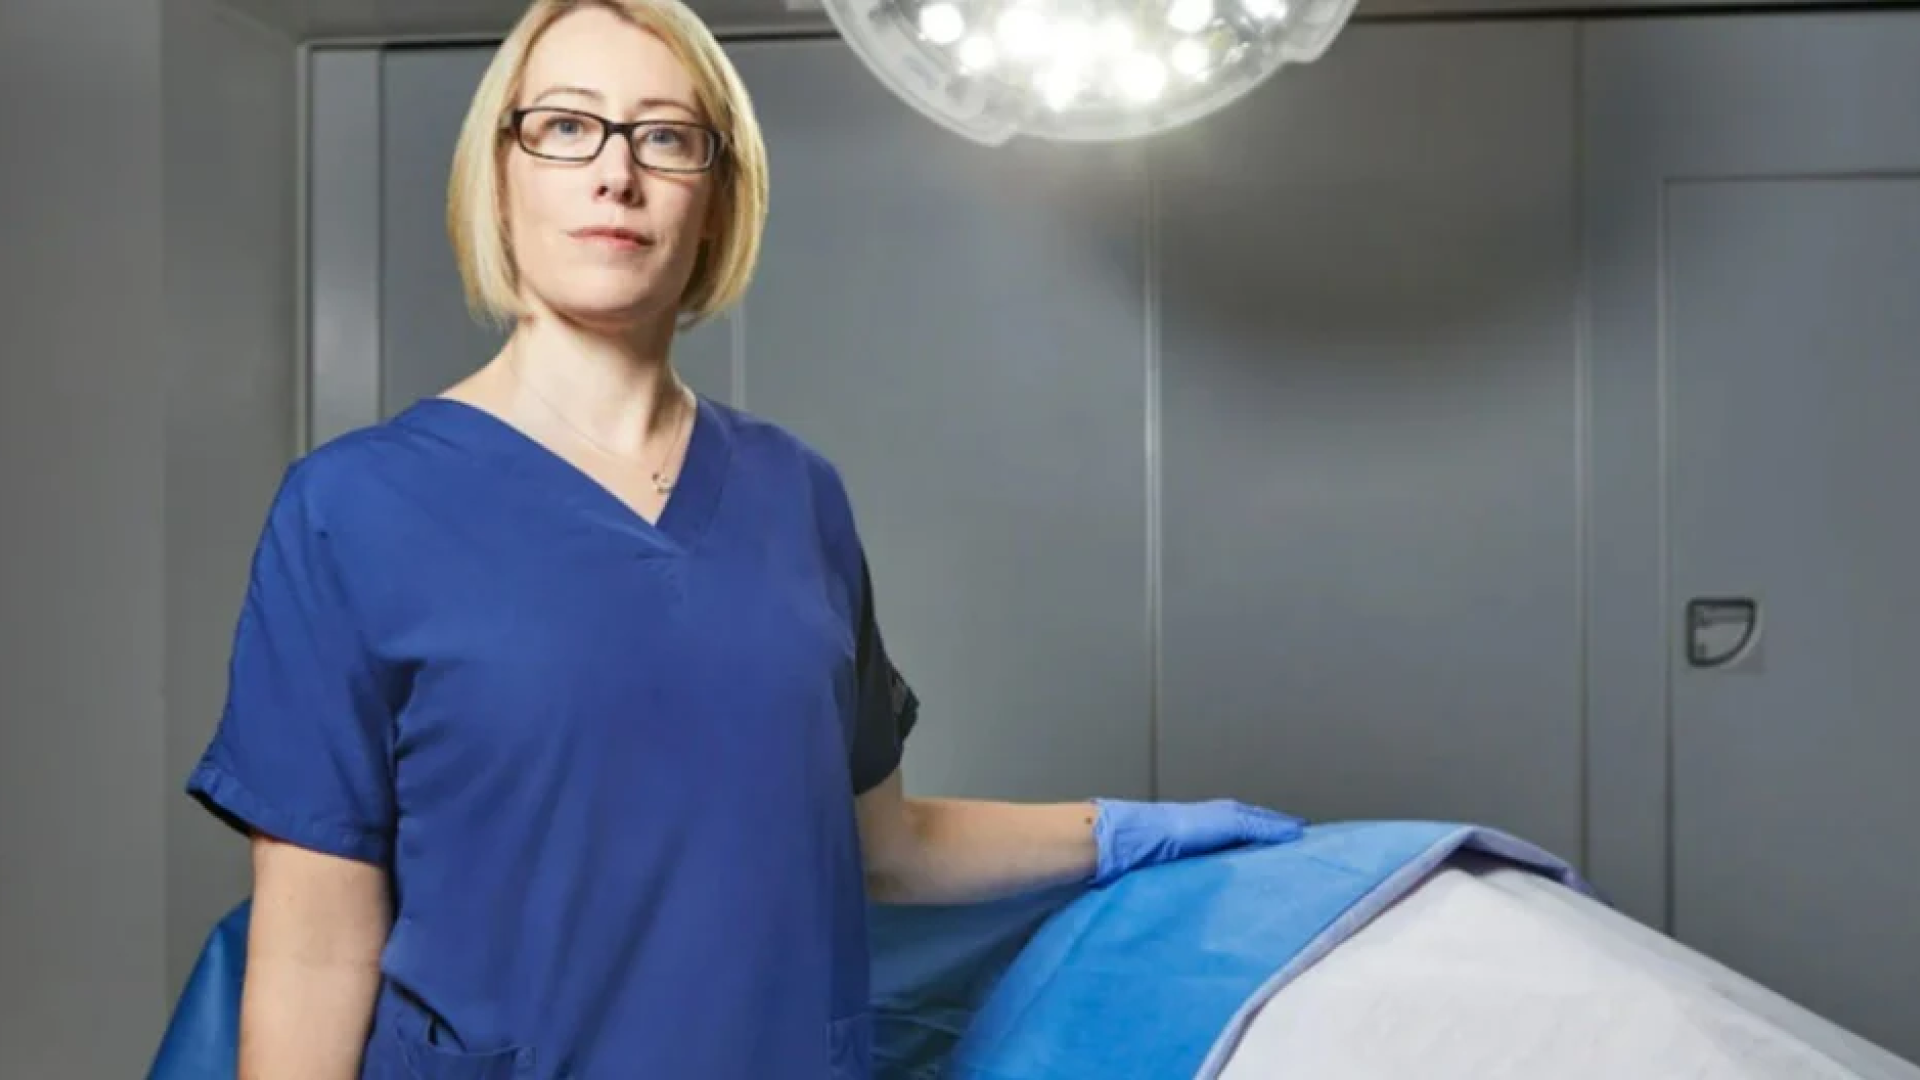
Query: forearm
315	935
305	1020
969	850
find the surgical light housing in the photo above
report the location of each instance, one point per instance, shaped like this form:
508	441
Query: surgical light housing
1080	70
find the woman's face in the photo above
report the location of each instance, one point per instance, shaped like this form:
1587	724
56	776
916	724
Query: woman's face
605	242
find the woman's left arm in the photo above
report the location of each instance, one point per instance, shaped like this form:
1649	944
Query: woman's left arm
956	851
953	851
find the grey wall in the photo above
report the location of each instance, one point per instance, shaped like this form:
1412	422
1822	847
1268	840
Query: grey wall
1371	442
231	260
82	587
146	365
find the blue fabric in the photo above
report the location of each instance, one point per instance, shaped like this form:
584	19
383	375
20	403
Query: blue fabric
1131	835
203	1039
1156	975
934	965
610	765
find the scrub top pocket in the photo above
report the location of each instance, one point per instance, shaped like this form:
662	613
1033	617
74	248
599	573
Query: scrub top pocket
404	1045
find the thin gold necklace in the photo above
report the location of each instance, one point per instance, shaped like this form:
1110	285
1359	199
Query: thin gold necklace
659	476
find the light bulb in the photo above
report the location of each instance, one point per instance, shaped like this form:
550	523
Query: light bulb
1266	10
1060	86
1116	36
942	23
1142	78
1188	16
1023	33
1072	42
977	53
1188	57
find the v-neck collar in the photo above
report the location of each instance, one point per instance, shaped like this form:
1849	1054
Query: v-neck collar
689	507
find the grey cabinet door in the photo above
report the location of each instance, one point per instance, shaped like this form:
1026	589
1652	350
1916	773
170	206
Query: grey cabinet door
1371	430
961	331
1754	245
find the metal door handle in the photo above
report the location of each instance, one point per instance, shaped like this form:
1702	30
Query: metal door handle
1720	628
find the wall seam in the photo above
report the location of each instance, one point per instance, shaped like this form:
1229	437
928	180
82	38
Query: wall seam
302	251
1583	453
1154	467
380	234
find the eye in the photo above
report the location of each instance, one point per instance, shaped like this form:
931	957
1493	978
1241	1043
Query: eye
666	138
561	132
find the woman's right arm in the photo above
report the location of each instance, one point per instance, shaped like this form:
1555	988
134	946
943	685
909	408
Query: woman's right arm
314	940
302	762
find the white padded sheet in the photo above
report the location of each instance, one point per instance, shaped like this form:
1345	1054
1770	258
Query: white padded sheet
1490	973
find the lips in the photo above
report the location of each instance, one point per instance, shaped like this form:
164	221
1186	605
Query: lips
614	235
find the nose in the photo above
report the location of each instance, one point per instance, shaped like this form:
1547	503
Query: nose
618	176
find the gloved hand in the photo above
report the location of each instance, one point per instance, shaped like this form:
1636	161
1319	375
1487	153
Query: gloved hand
1132	835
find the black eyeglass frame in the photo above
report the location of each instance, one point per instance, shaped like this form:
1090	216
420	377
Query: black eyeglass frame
716	141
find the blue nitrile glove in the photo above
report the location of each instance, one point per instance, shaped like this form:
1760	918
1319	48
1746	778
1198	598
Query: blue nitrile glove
1132	835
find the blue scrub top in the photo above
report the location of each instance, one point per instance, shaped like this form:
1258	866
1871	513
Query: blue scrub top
609	765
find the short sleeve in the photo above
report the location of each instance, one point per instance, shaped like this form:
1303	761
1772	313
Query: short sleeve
303	747
888	707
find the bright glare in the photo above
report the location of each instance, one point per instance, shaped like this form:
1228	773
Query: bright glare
1266	10
1143	78
1073	43
942	23
1116	36
1189	57
1024	33
1190	16
1060	86
976	53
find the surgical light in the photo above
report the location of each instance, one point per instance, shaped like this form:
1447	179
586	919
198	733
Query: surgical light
1080	70
942	23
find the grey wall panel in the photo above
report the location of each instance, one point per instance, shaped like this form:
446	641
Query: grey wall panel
961	330
1372	478
428	341
343	241
1668	99
229	182
1751	261
83	376
1792	379
427	338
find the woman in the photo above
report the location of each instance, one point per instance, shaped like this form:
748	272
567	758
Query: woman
558	713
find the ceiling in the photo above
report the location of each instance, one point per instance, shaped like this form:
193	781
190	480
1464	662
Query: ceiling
335	19
319	19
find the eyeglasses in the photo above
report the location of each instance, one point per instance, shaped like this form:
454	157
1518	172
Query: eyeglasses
671	146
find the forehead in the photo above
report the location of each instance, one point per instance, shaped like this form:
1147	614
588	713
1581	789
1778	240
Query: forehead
600	55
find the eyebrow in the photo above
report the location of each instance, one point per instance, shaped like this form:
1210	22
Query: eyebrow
597	96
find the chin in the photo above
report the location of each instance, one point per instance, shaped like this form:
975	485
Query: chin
610	306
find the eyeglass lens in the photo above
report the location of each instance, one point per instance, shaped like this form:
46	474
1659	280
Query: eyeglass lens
574	136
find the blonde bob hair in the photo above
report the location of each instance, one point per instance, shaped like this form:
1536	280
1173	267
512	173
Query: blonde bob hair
476	206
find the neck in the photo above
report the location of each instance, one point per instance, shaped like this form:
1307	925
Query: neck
620	388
